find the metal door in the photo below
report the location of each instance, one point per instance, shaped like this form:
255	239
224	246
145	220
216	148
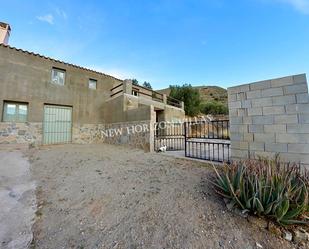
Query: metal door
57	127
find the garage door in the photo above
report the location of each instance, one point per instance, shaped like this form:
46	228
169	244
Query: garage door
57	128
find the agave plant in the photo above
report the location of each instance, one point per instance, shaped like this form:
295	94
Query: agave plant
267	188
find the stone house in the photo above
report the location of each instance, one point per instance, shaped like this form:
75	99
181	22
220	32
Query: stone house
47	101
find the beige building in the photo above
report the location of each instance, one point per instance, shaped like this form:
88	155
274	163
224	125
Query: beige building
46	101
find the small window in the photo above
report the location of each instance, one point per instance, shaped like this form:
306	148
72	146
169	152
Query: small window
92	84
135	92
15	112
58	76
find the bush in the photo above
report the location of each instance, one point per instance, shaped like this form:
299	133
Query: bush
267	188
190	96
214	108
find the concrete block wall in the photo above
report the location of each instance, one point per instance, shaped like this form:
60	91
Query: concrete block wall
270	117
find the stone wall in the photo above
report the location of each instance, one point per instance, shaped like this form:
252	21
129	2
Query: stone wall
270	117
20	133
138	134
87	133
134	134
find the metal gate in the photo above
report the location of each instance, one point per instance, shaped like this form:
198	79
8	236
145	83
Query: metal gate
208	140
170	135
57	125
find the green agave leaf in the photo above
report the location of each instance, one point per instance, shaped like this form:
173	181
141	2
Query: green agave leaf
269	208
293	222
294	213
283	210
260	207
234	195
248	203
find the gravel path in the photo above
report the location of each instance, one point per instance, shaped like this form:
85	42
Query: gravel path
104	196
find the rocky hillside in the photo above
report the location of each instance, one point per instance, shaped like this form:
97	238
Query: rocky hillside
207	93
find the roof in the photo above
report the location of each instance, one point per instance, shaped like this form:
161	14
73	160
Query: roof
58	61
5	25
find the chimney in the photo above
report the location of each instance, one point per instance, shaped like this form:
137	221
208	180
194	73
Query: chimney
5	31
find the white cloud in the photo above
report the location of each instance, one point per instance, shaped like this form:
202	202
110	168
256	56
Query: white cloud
300	5
49	18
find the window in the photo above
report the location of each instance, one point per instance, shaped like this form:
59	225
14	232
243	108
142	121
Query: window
58	76
92	84
135	92
15	112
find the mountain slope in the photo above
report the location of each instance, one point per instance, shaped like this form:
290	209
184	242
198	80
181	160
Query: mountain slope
207	93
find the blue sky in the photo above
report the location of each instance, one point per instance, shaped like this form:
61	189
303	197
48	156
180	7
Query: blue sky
201	42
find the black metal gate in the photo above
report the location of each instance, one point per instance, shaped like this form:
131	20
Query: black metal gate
169	134
208	140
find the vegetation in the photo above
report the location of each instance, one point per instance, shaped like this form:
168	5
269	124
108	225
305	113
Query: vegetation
214	107
147	85
135	81
213	99
190	97
213	93
267	188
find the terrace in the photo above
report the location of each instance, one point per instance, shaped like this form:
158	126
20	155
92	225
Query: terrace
144	94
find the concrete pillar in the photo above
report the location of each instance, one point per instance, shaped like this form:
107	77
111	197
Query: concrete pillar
1	109
182	104
151	128
164	98
127	86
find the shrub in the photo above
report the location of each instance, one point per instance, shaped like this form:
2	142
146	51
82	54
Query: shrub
215	108
267	188
189	95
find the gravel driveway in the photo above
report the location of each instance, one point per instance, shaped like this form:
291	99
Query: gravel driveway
104	196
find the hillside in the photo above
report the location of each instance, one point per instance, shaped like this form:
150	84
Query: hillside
207	93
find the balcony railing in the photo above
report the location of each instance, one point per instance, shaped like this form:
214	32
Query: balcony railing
173	102
147	93
117	90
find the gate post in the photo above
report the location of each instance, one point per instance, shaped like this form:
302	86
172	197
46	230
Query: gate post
185	127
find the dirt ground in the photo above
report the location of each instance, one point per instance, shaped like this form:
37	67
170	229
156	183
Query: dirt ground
104	196
17	200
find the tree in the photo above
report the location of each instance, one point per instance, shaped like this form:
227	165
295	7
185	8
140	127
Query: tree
147	85
135	81
190	97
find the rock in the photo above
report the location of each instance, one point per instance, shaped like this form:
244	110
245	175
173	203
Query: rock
226	200
242	213
230	205
259	222
300	236
12	194
21	132
287	235
258	245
